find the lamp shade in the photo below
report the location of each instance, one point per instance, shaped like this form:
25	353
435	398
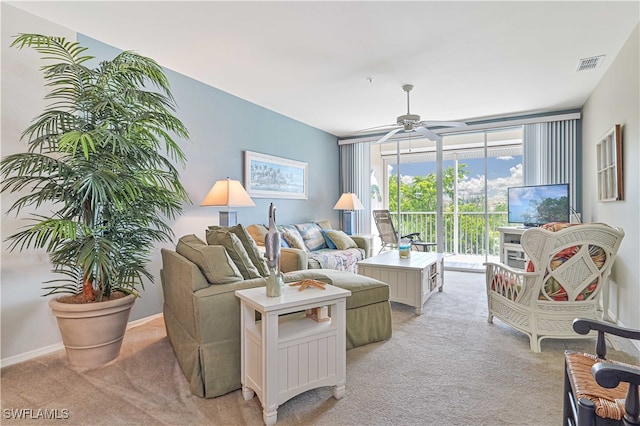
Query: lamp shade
228	193
348	201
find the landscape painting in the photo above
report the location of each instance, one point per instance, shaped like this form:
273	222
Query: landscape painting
267	176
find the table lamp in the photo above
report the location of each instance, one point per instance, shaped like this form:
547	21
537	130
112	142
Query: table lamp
228	193
348	202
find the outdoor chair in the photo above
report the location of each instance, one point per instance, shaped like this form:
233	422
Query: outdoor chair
567	272
598	391
389	236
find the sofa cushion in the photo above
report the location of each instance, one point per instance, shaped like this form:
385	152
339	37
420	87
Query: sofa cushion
250	246
341	240
327	240
340	260
311	235
235	249
364	290
213	261
291	235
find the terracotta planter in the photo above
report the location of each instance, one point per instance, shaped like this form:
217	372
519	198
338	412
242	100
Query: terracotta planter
92	333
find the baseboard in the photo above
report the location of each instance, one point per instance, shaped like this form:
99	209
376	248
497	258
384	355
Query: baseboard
614	319
26	356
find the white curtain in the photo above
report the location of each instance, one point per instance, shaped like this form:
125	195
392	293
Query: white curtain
550	155
355	177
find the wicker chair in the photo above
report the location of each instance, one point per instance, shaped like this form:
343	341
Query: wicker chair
593	392
566	274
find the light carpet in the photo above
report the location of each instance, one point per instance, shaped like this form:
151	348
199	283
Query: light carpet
445	367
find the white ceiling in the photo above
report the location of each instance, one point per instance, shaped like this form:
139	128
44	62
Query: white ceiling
311	61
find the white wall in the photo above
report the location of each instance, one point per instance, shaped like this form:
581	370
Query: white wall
26	317
616	100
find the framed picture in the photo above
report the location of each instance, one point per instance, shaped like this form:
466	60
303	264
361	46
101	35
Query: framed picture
609	167
266	176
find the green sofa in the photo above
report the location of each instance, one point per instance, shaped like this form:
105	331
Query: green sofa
203	319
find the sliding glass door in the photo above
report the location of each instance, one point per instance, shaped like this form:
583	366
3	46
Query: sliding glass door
477	168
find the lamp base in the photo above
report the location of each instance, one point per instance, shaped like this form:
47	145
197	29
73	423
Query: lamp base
349	222
228	218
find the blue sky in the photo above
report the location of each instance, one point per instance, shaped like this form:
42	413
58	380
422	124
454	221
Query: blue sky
502	173
496	167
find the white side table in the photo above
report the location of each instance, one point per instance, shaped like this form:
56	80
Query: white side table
283	356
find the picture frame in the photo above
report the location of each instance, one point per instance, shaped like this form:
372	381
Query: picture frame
268	176
609	165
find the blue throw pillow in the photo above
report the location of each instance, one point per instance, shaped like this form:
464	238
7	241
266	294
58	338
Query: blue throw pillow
330	243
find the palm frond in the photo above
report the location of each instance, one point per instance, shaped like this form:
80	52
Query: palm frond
96	157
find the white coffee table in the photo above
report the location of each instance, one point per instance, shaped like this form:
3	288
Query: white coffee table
411	281
285	355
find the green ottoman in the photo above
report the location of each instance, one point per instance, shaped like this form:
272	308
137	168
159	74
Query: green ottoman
368	308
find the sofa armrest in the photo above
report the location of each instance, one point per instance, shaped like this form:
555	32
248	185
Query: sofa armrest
292	259
364	242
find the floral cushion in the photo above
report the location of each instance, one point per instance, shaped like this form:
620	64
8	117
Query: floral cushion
552	288
341	260
506	285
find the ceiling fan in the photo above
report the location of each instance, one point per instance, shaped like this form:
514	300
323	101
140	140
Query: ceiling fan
411	123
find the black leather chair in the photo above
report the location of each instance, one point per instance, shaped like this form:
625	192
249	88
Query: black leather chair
598	391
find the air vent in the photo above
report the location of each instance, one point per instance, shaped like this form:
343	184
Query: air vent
585	64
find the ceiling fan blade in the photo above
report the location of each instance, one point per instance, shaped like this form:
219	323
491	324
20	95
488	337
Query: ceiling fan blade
388	135
426	132
443	123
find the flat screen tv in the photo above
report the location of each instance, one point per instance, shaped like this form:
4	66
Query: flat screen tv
536	205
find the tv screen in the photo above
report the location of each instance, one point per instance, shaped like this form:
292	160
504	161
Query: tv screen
538	204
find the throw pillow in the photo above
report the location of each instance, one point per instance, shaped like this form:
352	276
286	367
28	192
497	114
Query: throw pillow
328	240
311	235
213	261
236	250
324	224
341	240
257	232
250	246
293	238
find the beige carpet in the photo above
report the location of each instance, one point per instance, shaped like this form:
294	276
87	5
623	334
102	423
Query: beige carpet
446	367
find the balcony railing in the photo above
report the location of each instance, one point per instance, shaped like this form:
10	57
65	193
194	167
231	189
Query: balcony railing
471	230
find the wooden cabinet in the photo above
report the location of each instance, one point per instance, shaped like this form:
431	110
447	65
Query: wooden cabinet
511	252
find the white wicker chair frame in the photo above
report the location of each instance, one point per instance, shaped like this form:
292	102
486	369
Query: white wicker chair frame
518	298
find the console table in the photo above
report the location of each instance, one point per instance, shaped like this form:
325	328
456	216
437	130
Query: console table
287	353
411	280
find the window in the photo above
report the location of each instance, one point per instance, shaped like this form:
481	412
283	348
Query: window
609	167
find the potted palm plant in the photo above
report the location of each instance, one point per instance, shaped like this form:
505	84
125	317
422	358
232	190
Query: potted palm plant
99	170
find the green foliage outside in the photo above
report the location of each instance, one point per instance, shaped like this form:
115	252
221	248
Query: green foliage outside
420	196
547	210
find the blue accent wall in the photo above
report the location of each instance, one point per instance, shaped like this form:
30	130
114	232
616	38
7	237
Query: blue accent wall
222	127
